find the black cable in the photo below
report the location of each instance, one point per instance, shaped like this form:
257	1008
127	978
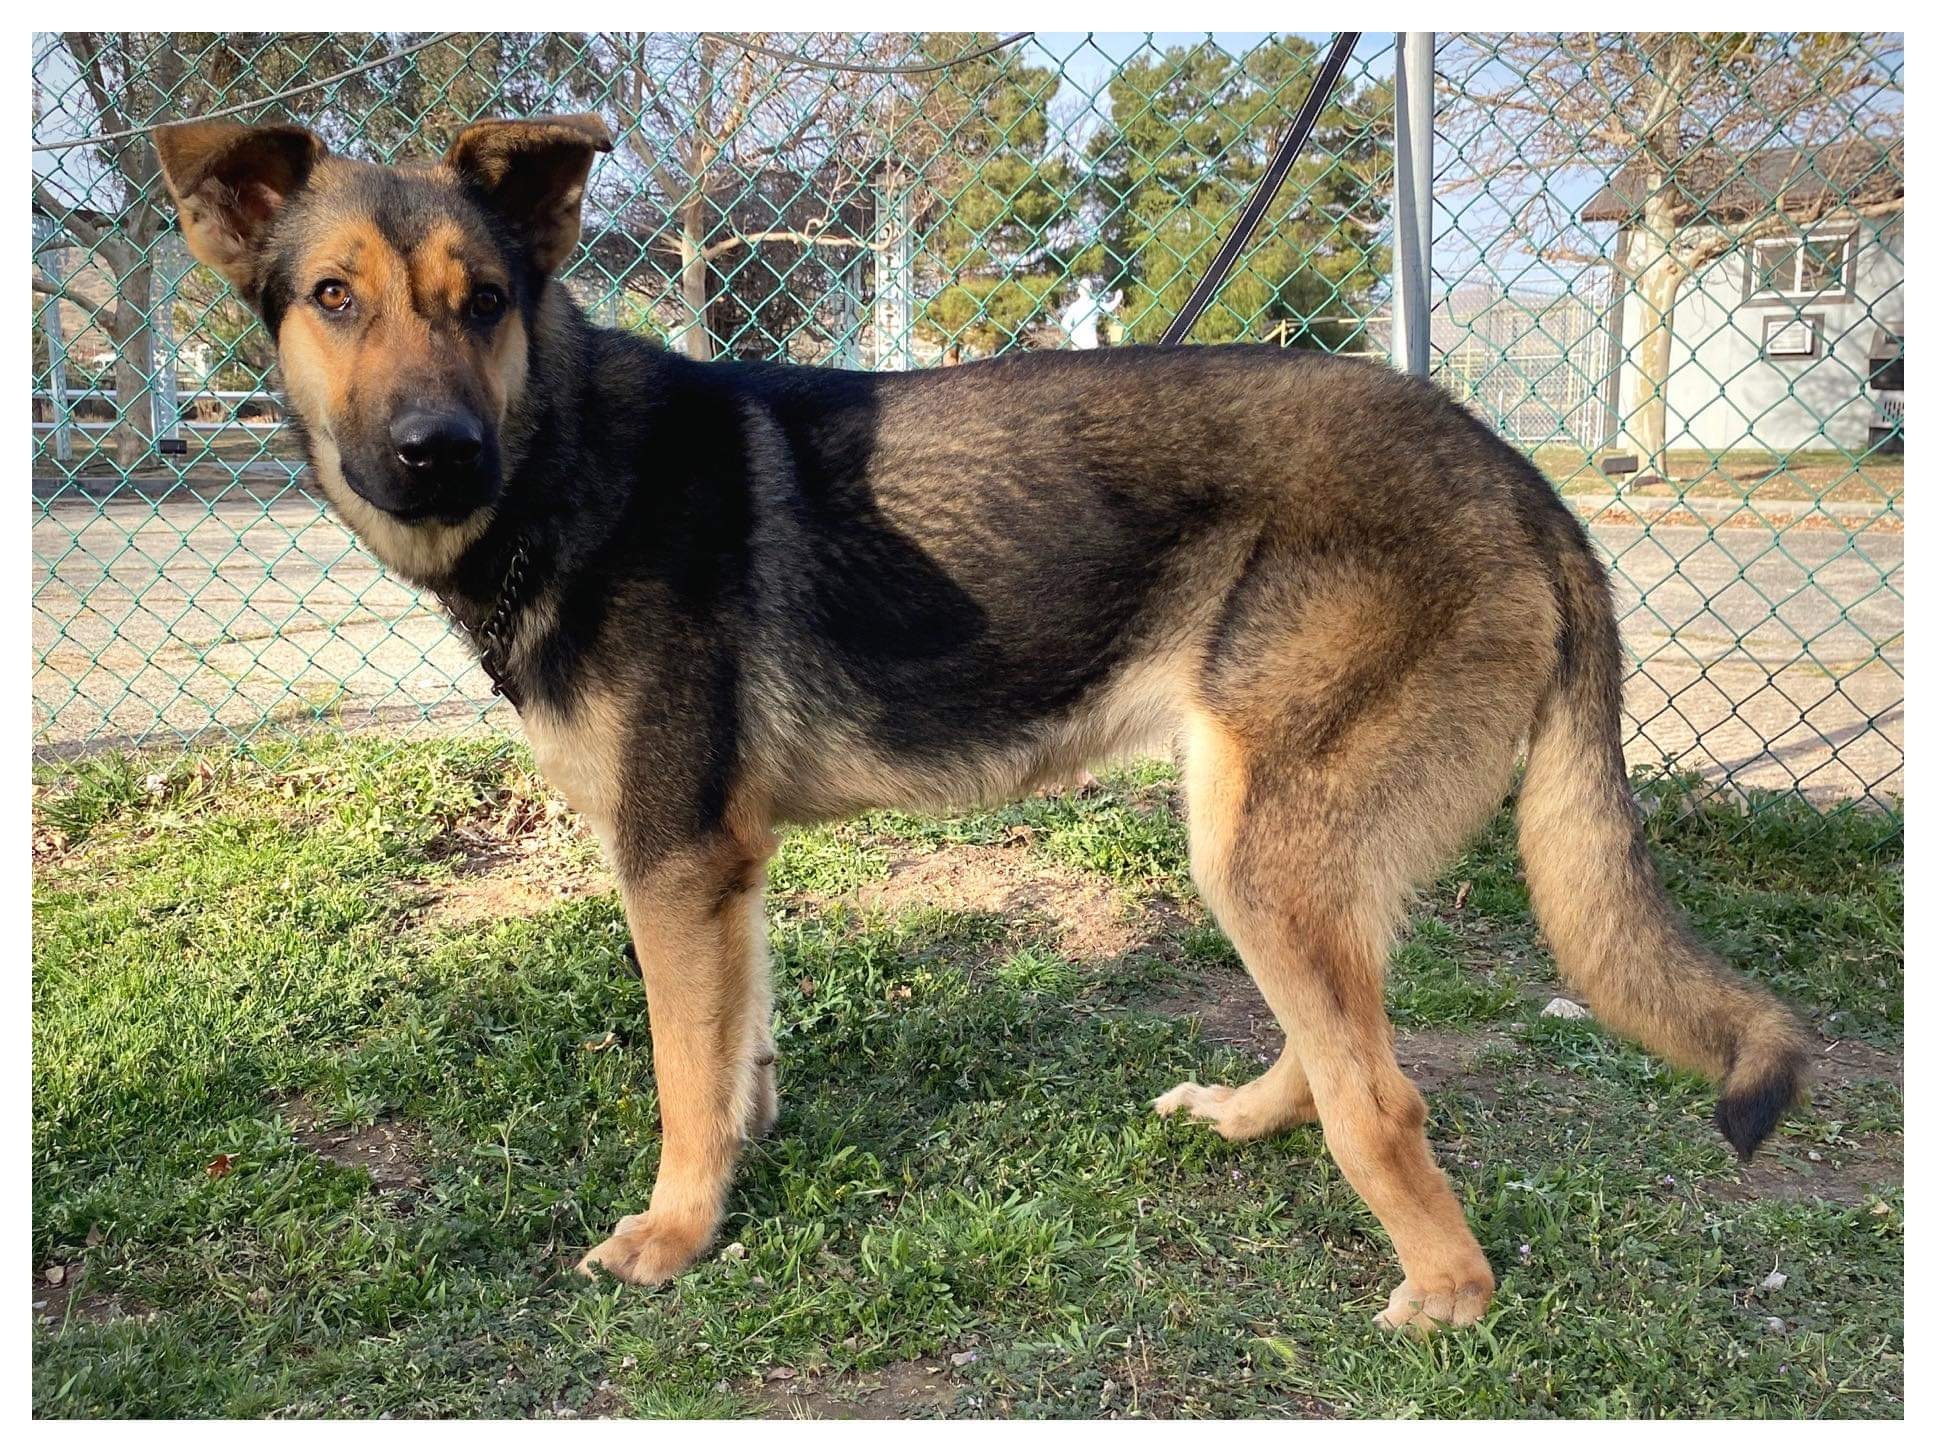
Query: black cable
1288	147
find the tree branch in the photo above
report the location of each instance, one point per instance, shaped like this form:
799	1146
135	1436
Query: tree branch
808	239
48	287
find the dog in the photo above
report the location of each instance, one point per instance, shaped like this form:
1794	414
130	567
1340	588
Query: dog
725	597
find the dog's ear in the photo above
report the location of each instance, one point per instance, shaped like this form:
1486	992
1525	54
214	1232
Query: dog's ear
532	174
228	182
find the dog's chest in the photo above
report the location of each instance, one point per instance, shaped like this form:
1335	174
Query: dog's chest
578	753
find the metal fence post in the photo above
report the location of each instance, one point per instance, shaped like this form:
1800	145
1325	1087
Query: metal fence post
1411	345
53	261
845	352
171	266
893	275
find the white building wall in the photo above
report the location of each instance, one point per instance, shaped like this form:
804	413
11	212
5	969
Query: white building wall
1723	394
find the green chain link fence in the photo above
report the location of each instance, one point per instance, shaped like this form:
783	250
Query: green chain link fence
1669	267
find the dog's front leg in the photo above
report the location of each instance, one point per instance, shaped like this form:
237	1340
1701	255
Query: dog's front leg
701	940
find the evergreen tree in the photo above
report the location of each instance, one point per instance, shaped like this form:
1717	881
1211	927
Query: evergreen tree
1190	131
1000	201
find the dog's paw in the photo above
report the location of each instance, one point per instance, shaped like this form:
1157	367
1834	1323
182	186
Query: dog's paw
645	1250
1201	1101
1423	1307
1236	1114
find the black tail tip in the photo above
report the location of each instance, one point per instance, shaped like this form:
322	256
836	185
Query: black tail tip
1748	1113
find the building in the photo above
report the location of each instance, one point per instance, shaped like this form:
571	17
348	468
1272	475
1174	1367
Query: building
1792	337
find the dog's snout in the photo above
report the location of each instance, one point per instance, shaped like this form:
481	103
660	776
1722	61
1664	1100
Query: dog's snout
432	442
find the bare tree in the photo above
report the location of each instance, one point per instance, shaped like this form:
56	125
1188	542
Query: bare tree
1706	142
704	119
117	211
108	198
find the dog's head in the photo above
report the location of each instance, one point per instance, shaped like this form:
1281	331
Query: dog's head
401	299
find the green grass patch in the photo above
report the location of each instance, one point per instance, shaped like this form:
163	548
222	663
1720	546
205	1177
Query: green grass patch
228	953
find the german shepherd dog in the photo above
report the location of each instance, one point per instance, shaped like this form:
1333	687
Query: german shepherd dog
728	596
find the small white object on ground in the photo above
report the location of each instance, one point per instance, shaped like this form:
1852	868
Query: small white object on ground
1564	1008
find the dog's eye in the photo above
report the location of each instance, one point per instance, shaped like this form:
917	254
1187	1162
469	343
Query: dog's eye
486	303
332	295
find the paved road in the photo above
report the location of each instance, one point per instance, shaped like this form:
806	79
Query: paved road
1782	656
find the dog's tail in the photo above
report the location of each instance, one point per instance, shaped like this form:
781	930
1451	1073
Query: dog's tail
1618	938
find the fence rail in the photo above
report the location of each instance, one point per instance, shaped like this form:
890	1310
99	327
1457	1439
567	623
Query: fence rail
1669	267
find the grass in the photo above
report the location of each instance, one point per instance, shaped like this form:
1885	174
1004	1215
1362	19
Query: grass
250	972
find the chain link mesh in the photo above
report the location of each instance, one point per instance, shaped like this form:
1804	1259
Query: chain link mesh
1668	267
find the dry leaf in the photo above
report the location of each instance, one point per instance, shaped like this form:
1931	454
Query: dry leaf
220	1166
600	1045
1458	898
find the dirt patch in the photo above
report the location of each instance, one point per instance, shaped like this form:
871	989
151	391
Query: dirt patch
901	1390
518	852
391	1153
1436	1058
491	884
1087	917
1229	1011
74	1302
1850	1061
1845	1174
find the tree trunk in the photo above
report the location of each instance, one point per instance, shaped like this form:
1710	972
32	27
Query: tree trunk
697	340
132	329
1655	277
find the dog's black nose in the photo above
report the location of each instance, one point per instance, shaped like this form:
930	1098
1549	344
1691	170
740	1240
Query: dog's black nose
436	443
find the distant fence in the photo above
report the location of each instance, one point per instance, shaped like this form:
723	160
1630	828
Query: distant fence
1668	267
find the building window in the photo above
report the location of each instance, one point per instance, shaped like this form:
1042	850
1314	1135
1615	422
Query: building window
1820	267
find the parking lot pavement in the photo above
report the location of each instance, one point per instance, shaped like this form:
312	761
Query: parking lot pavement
155	618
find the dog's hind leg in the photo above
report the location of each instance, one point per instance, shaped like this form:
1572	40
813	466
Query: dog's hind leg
1302	867
1280	1098
701	939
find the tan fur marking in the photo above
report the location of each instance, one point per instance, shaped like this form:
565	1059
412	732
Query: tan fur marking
438	270
819	770
579	752
421	552
1297	878
701	939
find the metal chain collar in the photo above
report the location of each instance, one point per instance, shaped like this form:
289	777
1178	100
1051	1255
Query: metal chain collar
493	638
